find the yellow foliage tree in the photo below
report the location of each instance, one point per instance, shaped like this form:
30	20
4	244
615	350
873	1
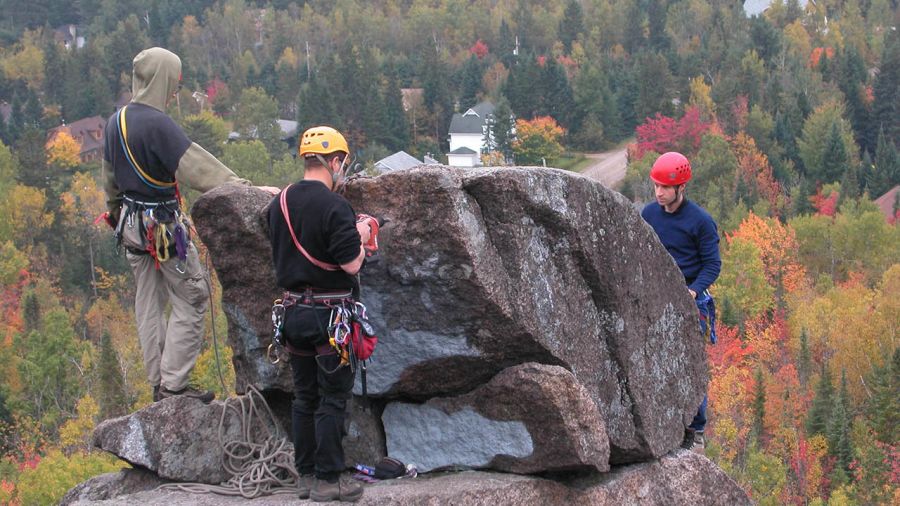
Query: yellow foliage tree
76	433
701	98
62	150
854	324
23	214
56	473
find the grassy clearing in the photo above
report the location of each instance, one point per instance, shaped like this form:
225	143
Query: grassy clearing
574	162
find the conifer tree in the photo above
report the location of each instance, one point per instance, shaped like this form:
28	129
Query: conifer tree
838	428
502	127
834	160
886	106
471	83
804	361
571	24
886	173
759	408
820	411
883	409
31	312
112	386
395	131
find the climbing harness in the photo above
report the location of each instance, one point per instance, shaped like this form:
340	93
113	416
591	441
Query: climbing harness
260	462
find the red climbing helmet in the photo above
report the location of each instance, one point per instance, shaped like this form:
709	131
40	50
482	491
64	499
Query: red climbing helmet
671	169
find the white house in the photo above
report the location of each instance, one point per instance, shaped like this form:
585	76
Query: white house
469	132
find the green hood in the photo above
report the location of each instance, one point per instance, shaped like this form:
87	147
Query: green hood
155	77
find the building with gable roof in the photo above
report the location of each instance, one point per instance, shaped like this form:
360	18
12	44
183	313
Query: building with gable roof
469	134
89	134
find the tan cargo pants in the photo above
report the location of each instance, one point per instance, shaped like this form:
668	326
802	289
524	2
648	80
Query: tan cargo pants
170	346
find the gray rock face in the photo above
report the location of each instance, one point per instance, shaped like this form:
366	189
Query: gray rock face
229	220
484	269
176	438
111	485
529	418
681	477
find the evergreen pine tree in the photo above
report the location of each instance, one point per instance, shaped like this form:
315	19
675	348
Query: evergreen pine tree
883	408
112	386
838	428
31	312
634	28
886	173
395	129
850	184
571	24
471	83
851	80
54	72
505	45
835	159
886	106
804	361
656	20
502	127
822	404
558	99
759	408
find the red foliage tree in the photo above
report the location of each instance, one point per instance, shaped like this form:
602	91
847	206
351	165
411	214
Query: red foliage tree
662	133
479	49
826	206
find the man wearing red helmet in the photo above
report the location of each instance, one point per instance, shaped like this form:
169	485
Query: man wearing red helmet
690	235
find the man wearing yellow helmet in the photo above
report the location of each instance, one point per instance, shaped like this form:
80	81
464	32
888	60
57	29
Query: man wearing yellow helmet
317	249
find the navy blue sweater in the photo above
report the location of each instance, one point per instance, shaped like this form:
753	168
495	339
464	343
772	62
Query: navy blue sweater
690	236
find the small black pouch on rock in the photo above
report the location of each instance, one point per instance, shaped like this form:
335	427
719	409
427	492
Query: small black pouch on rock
389	468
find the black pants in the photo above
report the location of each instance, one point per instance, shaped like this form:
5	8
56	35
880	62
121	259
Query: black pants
320	399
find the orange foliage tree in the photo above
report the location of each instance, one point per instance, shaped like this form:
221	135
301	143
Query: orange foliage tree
537	139
777	244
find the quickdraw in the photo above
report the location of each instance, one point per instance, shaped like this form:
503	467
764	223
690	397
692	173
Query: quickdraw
277	352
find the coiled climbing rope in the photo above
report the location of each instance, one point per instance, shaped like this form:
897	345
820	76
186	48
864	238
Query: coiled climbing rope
260	462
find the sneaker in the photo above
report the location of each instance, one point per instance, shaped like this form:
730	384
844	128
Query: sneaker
156	393
305	485
205	396
688	442
324	491
699	443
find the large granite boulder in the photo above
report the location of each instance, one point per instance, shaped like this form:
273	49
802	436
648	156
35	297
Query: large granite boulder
529	418
484	269
177	438
111	485
681	477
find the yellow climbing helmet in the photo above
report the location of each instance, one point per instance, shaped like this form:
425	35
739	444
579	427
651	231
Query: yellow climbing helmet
322	140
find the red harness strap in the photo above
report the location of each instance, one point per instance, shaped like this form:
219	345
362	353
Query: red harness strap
315	261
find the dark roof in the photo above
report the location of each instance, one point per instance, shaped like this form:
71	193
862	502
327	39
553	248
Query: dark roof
463	151
87	131
886	202
471	121
398	161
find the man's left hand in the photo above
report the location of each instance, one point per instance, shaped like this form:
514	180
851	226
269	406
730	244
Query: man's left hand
693	293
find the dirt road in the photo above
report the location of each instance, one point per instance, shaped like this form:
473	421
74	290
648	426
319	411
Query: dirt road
608	167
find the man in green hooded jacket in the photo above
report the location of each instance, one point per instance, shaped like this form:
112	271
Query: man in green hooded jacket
146	155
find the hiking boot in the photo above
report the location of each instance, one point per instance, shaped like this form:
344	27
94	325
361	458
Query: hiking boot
693	441
324	491
156	393
699	445
203	395
305	485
